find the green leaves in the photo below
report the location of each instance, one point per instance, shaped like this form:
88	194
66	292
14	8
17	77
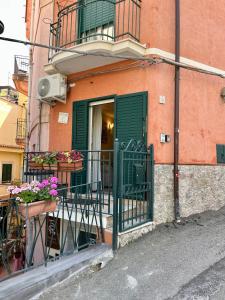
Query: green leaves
27	196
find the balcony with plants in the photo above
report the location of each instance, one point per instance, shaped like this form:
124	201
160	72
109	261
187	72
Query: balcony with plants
99	26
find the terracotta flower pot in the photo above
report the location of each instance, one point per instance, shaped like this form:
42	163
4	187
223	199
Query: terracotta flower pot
36	208
73	166
34	166
50	166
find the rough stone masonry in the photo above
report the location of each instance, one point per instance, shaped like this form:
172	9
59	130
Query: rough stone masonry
201	188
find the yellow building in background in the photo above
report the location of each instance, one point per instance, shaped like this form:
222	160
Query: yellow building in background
12	136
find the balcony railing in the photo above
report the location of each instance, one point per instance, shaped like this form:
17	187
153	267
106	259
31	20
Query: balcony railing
29	241
91	20
21	129
21	65
88	201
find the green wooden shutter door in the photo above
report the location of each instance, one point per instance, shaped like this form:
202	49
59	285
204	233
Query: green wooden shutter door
130	117
80	137
130	123
96	13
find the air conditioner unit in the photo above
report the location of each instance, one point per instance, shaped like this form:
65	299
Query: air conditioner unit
52	88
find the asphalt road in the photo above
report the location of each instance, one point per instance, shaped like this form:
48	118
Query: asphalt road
173	262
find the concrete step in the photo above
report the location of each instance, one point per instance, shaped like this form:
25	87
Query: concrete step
36	280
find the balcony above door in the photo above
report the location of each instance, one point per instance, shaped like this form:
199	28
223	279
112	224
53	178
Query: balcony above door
109	27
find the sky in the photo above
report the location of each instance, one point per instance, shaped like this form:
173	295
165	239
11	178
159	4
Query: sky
12	14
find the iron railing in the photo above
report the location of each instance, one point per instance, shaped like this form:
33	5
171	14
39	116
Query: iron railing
117	185
21	65
89	20
27	242
133	190
21	129
136	185
97	167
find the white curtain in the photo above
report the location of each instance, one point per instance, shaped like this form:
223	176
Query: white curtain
96	146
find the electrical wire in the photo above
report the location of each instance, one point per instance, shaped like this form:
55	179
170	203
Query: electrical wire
111	70
155	60
188	67
83	53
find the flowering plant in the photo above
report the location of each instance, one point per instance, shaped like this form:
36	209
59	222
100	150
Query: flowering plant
69	157
36	191
54	157
38	159
46	158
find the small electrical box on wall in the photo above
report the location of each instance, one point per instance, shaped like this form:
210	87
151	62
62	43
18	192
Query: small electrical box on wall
164	138
162	99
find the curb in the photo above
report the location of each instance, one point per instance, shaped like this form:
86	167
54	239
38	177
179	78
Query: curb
33	283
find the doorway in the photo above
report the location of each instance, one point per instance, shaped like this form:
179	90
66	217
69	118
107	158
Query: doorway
101	136
97	122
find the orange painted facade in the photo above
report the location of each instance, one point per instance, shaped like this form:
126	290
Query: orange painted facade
202	110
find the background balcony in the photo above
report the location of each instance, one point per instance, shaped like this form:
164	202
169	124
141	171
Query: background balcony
21	132
20	76
100	26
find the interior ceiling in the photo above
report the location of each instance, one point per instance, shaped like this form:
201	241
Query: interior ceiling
108	109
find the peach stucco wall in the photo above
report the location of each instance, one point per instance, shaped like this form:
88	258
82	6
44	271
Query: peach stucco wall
200	127
202	111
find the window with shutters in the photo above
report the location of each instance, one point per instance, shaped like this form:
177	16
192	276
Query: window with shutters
6	173
97	20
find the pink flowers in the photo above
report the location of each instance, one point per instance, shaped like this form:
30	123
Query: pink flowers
54	180
16	191
45	182
53	186
53	193
69	156
35	191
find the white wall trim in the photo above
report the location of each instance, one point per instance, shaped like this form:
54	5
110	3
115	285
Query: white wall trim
187	61
101	102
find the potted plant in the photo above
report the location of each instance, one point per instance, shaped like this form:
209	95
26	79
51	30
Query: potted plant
70	161
50	161
36	197
35	161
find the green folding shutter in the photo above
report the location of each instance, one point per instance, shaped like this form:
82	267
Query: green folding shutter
130	117
96	13
80	137
130	123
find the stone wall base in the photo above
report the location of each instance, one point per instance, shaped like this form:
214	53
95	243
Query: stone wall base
130	235
201	188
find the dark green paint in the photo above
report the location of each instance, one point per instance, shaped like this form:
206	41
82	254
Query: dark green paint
130	117
220	152
80	137
6	172
95	14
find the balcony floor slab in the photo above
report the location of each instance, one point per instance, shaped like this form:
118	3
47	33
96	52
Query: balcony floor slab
68	63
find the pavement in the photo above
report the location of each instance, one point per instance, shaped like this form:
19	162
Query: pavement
185	261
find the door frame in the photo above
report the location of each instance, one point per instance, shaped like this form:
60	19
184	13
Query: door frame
91	105
97	101
90	118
